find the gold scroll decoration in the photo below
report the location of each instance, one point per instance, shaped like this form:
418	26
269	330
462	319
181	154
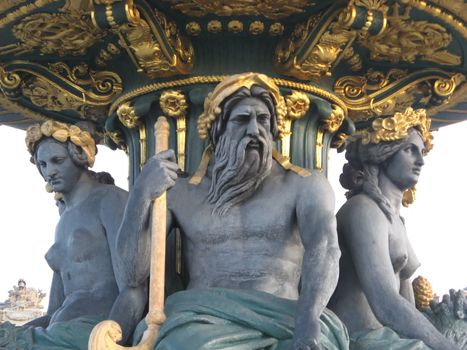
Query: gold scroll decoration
270	9
407	40
362	93
59	87
68	33
297	104
173	103
306	58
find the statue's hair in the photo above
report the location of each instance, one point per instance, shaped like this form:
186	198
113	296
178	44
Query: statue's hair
77	154
219	125
364	162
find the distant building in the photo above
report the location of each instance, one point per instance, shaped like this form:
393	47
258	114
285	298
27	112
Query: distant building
23	304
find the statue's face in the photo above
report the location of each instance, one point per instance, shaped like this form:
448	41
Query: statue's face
250	118
56	166
403	169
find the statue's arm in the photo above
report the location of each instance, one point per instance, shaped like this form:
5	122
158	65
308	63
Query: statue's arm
406	290
365	229
320	267
56	299
134	236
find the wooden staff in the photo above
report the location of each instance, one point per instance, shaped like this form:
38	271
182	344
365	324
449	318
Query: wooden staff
107	334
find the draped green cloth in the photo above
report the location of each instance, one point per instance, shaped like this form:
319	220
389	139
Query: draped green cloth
69	335
208	319
384	339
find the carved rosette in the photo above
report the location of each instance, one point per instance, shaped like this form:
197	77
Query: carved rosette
174	104
127	115
332	123
297	105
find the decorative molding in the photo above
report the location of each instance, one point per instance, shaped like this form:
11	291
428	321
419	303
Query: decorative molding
310	56
271	10
23	11
213	79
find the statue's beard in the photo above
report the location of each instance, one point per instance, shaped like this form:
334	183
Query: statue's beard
233	179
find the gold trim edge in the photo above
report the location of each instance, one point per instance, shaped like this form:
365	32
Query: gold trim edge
212	79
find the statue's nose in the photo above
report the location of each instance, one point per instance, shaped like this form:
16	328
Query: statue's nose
252	127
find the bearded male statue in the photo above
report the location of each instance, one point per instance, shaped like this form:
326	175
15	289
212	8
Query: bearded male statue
260	241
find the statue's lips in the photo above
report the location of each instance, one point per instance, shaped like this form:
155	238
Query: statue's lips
255	144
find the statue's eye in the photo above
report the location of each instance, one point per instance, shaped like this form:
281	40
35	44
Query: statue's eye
42	164
263	118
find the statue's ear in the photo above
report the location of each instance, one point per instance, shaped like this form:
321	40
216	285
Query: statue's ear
77	154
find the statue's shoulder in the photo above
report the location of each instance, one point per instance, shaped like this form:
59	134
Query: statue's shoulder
359	212
111	194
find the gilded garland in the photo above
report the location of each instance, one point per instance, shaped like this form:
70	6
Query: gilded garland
396	128
61	132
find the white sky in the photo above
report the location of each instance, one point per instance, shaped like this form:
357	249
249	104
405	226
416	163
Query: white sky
434	222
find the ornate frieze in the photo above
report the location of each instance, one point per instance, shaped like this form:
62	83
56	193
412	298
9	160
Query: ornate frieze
271	9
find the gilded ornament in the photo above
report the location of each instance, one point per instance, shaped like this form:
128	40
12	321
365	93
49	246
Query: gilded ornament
443	15
21	11
214	26
62	132
333	122
235	26
45	95
227	87
63	87
298	104
70	33
107	54
445	87
408	197
9	80
271	9
423	293
397	127
256	27
407	40
276	29
173	103
193	28
317	60
213	79
14	107
127	115
147	46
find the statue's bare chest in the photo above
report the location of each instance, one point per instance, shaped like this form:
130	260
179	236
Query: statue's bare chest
266	218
